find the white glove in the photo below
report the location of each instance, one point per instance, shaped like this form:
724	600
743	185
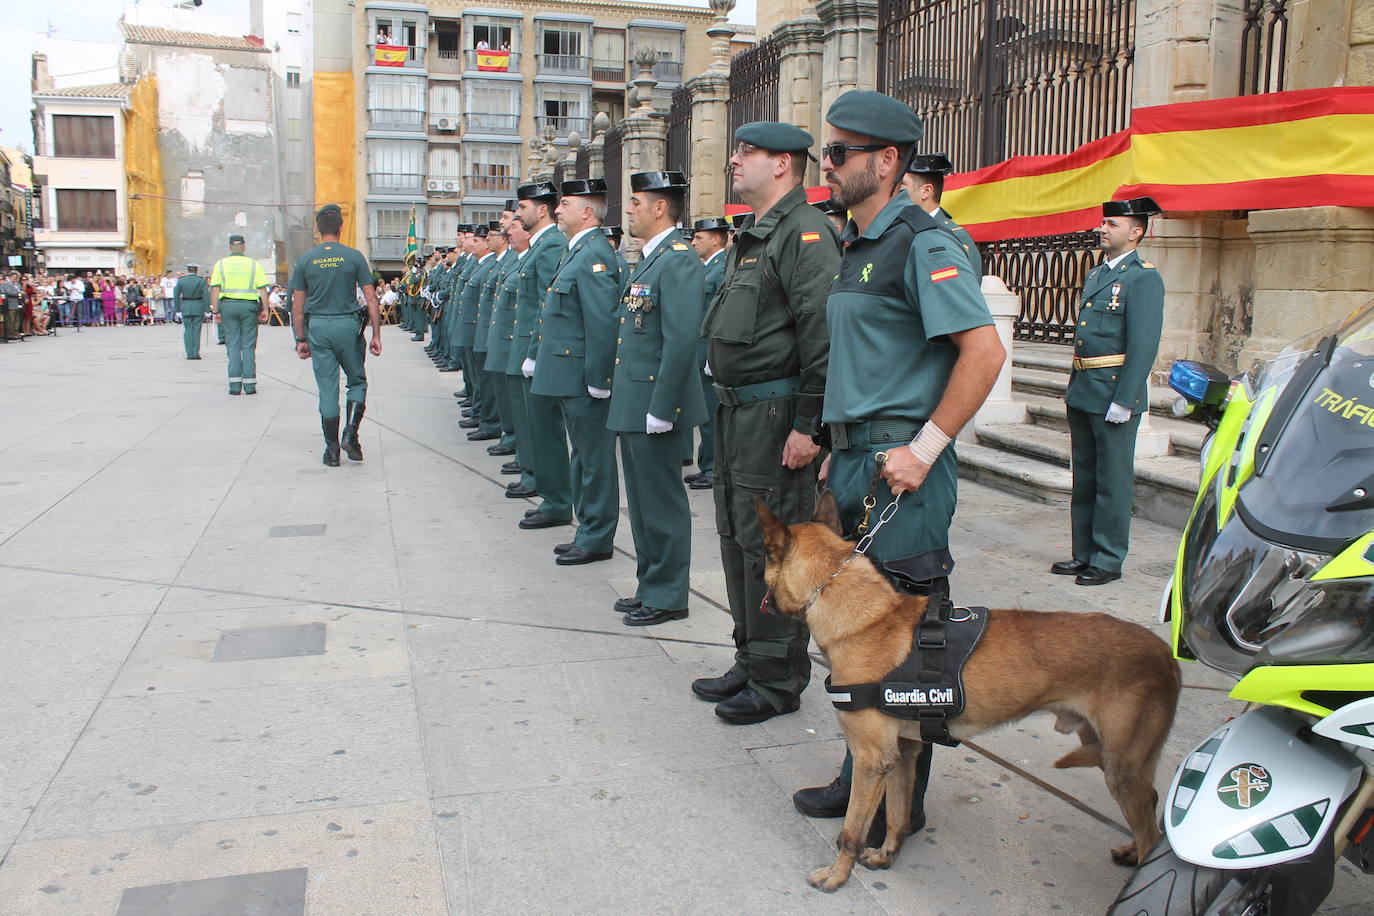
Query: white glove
599	393
706	367
527	367
653	424
1118	414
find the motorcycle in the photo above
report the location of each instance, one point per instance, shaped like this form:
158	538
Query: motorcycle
1274	585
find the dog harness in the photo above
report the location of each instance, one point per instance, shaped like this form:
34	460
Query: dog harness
929	686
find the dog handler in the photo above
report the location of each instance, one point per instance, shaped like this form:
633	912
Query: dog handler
329	330
913	353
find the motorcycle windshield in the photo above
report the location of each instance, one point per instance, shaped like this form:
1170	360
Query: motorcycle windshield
1307	491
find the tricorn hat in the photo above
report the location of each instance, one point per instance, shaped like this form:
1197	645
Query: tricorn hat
711	224
1136	206
614	233
930	164
511	204
536	191
671	181
584	187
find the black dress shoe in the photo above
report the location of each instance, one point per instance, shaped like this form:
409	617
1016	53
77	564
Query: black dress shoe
466	412
1068	567
466	401
563	548
478	436
645	616
459	395
520	492
469	423
686	462
1093	575
500	451
510	467
626	605
529	512
540	520
715	689
577	556
448	368
688	478
748	707
823	801
702	482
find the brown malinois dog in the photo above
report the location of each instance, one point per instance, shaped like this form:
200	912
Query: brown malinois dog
1113	682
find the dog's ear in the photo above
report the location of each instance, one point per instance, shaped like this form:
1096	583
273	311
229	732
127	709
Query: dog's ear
775	533
828	512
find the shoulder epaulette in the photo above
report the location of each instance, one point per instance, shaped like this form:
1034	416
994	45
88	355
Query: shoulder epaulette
1147	264
679	246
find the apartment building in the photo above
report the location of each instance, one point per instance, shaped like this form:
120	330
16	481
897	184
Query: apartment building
448	97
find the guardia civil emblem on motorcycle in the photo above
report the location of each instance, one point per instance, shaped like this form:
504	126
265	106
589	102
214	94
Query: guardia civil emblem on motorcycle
1244	786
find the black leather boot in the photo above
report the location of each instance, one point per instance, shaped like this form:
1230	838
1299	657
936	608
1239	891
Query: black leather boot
350	434
330	425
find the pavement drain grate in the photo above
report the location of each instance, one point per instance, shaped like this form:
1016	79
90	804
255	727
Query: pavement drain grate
296	531
1157	570
267	893
269	642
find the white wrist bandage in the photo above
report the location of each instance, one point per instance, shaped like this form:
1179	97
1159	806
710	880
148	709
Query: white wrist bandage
928	444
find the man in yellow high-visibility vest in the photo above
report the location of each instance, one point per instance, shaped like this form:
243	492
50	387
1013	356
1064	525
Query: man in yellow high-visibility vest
238	289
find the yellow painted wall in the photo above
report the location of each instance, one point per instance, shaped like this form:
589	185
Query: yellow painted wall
143	171
335	161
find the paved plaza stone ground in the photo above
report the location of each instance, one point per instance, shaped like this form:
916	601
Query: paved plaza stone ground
236	681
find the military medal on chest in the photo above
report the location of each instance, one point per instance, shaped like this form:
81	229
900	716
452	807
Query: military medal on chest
1115	304
639	302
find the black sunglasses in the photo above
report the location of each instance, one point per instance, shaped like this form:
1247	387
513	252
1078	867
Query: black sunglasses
838	151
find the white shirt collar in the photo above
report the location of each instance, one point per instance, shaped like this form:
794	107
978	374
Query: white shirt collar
654	242
1116	261
713	257
573	241
521	254
534	238
485	256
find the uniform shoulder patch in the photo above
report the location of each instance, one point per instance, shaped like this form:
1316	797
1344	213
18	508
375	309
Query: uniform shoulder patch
679	246
948	273
810	236
1147	264
598	268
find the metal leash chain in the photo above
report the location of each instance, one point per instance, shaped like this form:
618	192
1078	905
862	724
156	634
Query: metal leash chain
871	500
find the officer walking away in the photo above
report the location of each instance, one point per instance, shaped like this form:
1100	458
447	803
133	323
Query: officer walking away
189	295
708	240
575	353
1120	319
655	396
329	328
925	184
238	290
768	349
913	353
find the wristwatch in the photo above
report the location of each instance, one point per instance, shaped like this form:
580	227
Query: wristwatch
300	340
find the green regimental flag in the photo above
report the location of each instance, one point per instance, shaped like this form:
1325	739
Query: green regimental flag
412	244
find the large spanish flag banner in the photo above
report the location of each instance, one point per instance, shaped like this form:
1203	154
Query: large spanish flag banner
390	55
1305	148
493	60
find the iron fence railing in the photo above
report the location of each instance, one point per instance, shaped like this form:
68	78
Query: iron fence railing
489	185
680	136
754	77
561	124
608	71
396	118
565	64
1047	275
1263	46
395	182
612	163
476	122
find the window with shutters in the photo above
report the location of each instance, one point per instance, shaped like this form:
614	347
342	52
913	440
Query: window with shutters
293	78
563	108
493	107
445	101
395	102
480	215
608	55
444	164
83	210
395	166
443	226
492	169
83	136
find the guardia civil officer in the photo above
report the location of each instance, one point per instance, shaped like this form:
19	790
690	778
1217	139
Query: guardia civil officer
329	328
925	184
913	353
574	353
189	295
438	292
238	289
499	336
469	309
514	311
655	395
488	409
767	356
613	235
452	359
548	450
1120	318
708	240
834	214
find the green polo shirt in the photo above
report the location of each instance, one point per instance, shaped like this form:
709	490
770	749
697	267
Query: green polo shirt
901	290
329	274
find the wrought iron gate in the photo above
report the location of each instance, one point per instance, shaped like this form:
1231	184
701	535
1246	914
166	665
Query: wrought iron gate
754	76
611	162
1263	46
1047	274
680	138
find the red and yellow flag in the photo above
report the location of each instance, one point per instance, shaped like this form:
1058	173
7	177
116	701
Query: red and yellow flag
1304	148
390	55
493	60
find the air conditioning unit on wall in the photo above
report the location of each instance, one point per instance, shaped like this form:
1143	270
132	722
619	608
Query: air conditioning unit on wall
434	185
446	123
451	186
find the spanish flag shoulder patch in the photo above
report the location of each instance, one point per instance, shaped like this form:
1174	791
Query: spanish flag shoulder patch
810	236
948	273
598	268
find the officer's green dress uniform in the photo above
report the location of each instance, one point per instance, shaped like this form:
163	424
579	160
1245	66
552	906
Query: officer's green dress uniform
714	268
488	412
516	319
239	279
938	165
768	353
329	274
903	286
548	451
500	330
458	282
575	349
946	222
467	331
438	292
1119	322
190	297
655	373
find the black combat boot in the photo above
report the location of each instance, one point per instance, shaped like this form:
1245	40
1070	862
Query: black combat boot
350	434
330	425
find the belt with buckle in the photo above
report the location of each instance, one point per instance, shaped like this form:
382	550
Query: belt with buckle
1099	362
759	391
873	432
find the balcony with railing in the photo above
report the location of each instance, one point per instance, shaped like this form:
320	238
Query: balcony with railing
443	60
561	124
395	118
387	247
489	185
410	57
93	150
564	64
493	61
395	182
478	122
609	71
668	71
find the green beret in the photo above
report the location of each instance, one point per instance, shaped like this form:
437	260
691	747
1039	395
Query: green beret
863	111
235	238
328	208
776	136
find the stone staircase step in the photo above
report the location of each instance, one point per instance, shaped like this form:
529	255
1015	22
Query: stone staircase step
1025	477
1028	440
1185	436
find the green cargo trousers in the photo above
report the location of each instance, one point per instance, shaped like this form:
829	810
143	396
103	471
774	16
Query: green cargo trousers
336	344
770	649
239	321
660	516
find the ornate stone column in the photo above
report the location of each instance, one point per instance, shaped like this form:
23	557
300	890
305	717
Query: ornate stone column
799	76
596	149
849	35
644	137
711	118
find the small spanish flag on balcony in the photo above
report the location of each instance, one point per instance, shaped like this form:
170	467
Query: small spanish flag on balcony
390	55
493	60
